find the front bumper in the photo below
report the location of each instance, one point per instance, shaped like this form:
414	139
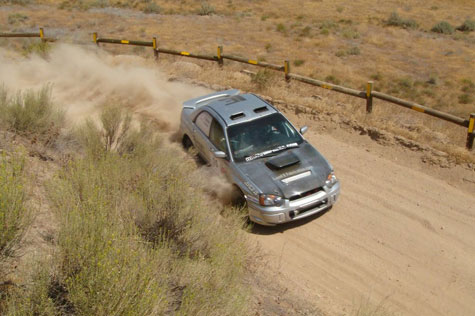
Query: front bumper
293	210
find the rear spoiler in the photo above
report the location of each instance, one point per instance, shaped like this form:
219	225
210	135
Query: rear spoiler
206	99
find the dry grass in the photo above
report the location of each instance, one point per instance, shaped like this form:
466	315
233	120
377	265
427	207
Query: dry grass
14	214
135	236
32	114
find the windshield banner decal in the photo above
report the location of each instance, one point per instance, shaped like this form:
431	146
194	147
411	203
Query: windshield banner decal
267	152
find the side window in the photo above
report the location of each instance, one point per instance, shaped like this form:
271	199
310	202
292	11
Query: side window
216	136
203	121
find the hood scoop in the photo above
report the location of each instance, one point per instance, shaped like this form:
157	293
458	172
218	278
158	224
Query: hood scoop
282	161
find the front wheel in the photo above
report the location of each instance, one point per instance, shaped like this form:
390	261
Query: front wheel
239	202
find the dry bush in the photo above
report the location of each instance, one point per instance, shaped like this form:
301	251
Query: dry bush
13	212
467	26
32	114
395	20
262	78
443	28
35	297
113	134
39	48
135	235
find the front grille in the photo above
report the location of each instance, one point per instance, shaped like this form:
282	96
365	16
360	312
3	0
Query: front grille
304	194
292	214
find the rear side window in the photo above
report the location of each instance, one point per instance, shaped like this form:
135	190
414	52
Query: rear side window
216	136
203	121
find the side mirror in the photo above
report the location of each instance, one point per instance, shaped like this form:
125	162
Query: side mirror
304	129
219	154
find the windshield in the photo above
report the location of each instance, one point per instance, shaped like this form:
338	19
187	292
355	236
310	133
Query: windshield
262	137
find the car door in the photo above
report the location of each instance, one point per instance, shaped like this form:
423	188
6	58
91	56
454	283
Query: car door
201	130
209	138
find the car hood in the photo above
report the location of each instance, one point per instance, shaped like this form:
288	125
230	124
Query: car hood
270	174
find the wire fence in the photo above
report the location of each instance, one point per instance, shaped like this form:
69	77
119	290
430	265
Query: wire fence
219	58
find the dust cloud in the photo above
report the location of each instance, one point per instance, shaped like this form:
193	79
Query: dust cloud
85	78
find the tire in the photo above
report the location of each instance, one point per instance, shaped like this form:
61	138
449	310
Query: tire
186	142
238	199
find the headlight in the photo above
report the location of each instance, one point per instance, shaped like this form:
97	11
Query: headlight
331	180
270	200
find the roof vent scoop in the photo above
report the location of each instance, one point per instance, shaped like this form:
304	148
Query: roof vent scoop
261	109
237	116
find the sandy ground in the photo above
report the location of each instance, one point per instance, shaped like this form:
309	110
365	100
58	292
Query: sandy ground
398	237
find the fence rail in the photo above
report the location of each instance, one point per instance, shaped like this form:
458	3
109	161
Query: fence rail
40	34
368	95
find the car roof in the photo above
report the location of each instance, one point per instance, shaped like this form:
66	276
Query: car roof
241	108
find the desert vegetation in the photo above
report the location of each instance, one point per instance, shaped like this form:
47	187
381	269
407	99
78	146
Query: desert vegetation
135	234
13	211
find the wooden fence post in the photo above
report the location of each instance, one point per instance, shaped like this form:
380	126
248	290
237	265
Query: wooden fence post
287	70
369	97
94	38
155	48
42	34
220	56
471	132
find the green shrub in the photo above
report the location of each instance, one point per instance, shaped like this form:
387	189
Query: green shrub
299	62
206	9
467	26
340	53
443	28
305	32
332	79
377	76
353	51
281	28
468	86
395	20
39	48
19	2
152	7
465	98
350	33
17	18
32	114
261	78
13	213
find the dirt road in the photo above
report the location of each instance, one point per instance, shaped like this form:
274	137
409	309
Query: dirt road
397	237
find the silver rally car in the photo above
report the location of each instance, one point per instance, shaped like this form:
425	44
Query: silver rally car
279	174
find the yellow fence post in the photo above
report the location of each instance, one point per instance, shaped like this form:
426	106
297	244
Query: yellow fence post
94	38
471	131
220	56
155	48
42	34
287	70
369	97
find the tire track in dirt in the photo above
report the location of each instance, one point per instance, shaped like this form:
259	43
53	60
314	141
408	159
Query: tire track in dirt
401	237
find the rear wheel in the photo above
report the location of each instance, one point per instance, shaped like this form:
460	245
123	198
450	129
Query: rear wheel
186	142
